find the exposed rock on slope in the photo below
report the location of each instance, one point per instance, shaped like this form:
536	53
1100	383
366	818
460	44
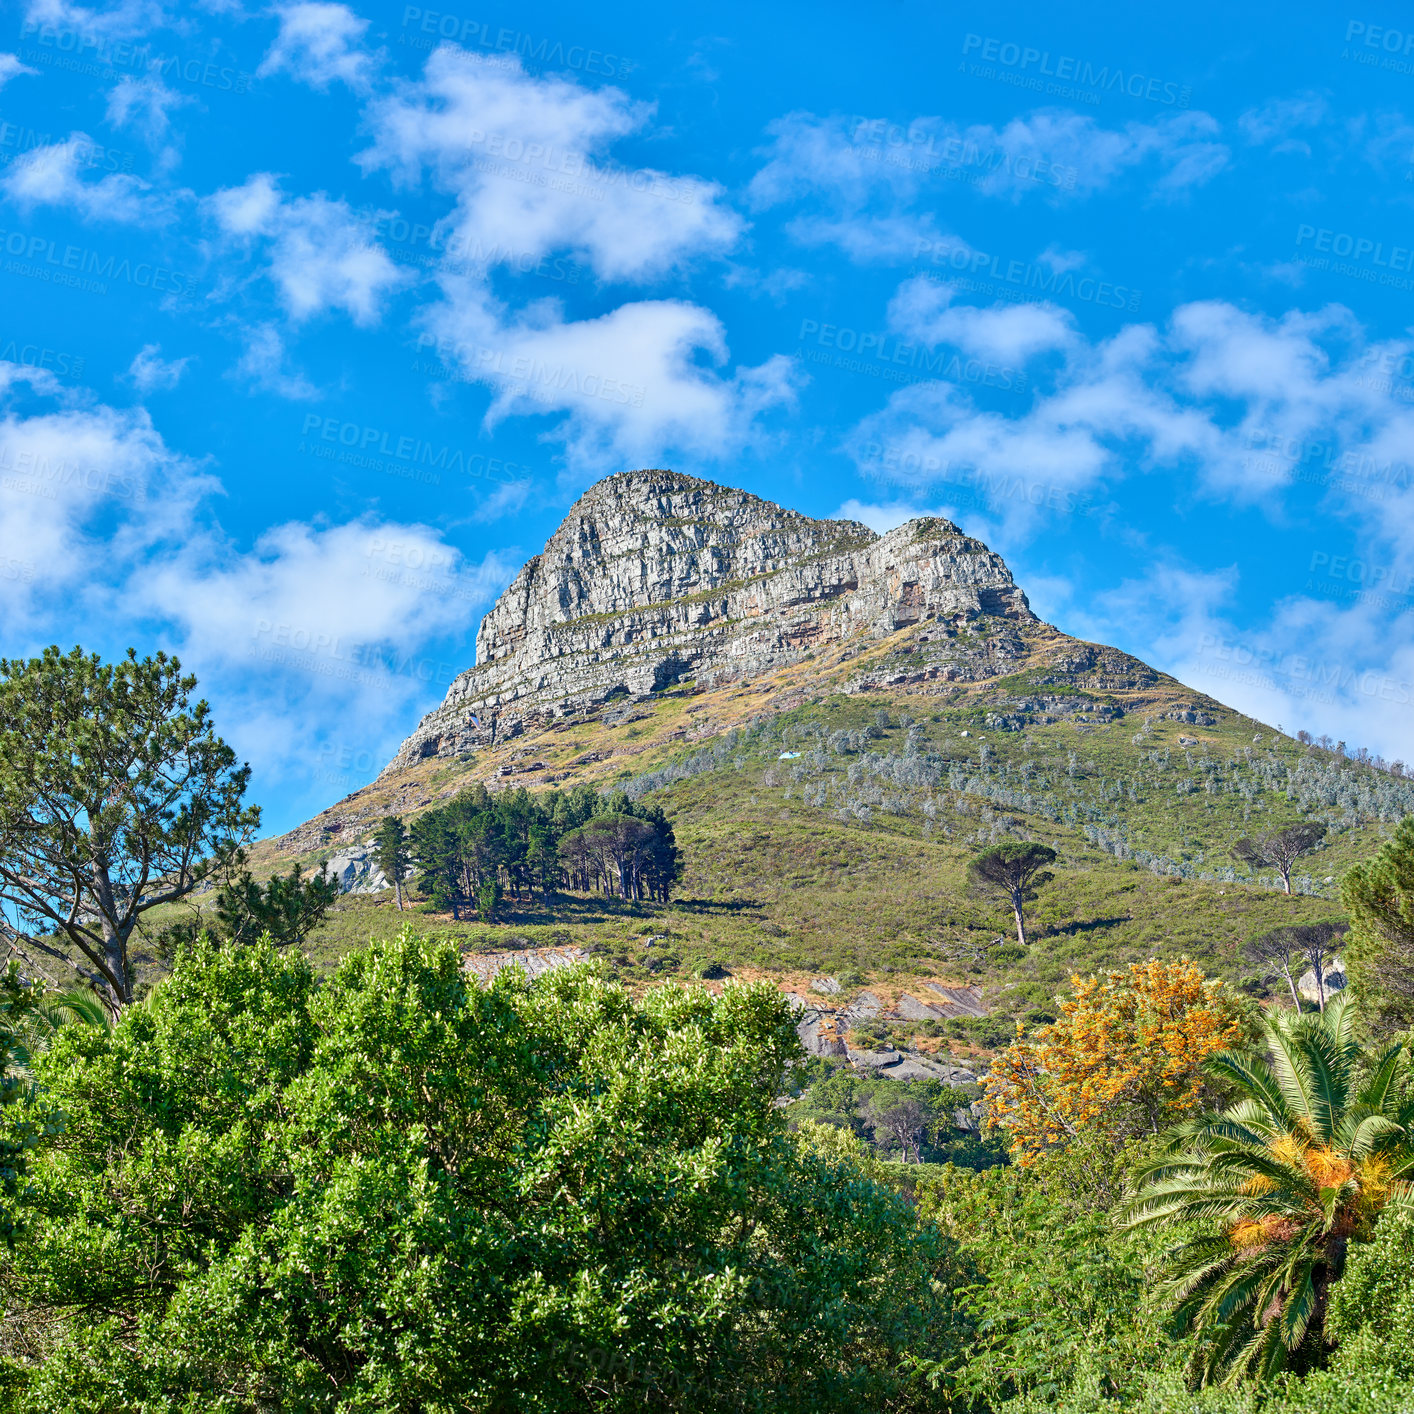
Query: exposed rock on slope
654	577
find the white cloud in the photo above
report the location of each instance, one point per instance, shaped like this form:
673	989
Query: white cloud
1227	402
87	491
11	68
508	499
1186	147
125	19
627	386
321	631
869	238
528	162
316	629
321	254
145	106
853	165
262	364
149	371
1012	334
1276	121
50	176
1345	671
363	582
319	44
249	209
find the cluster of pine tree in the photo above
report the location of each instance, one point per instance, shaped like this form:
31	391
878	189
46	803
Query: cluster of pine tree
479	845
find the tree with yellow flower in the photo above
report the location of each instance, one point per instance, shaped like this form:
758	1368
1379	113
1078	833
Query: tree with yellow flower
1320	1143
1123	1059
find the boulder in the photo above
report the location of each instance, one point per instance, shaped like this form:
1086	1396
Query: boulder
865	1007
356	872
954	1001
816	1034
909	1065
534	962
1333	974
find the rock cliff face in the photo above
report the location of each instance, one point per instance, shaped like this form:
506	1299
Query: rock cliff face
655	577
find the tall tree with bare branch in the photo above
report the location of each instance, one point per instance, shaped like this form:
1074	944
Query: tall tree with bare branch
1279	849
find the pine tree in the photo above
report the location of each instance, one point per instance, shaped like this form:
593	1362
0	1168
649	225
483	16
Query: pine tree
392	853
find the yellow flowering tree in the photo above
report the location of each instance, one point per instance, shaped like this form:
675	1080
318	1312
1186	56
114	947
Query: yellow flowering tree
1124	1058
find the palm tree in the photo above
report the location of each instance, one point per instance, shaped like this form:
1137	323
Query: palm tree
1302	1165
46	1016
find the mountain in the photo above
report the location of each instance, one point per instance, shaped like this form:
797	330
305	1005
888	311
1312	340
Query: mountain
835	721
654	577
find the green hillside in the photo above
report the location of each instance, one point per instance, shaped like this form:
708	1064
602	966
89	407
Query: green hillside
849	857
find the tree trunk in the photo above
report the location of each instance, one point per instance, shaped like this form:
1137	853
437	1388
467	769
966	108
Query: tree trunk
1286	877
1020	922
398	890
117	989
1295	998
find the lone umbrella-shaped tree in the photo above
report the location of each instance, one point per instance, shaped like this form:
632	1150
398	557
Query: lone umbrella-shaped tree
1014	870
1291	1174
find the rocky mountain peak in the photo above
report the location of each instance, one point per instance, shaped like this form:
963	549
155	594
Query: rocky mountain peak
654	577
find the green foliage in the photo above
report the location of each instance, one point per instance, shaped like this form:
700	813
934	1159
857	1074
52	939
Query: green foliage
392	852
1372	1390
1372	1306
400	1191
915	1117
20	1001
116	797
580	839
1380	897
287	907
1056	1301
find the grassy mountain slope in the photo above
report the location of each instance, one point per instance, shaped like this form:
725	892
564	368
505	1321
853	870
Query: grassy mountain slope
913	751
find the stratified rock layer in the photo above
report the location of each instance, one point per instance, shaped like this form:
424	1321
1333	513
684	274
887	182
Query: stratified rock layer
655	577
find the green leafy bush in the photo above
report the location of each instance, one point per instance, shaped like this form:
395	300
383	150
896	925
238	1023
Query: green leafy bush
399	1191
1372	1306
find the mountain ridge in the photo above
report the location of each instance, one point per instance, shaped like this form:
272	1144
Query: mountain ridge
653	577
971	635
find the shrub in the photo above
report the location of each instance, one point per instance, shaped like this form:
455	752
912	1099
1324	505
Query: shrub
402	1191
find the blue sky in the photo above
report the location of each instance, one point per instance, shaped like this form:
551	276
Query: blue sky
315	319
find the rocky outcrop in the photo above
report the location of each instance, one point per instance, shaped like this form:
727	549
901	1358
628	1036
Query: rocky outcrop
654	578
534	962
356	871
1333	977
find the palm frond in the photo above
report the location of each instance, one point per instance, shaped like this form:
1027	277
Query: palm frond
1359	1134
1300	1304
1338	1019
1384	1082
77	1004
1304	1065
1251	1073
